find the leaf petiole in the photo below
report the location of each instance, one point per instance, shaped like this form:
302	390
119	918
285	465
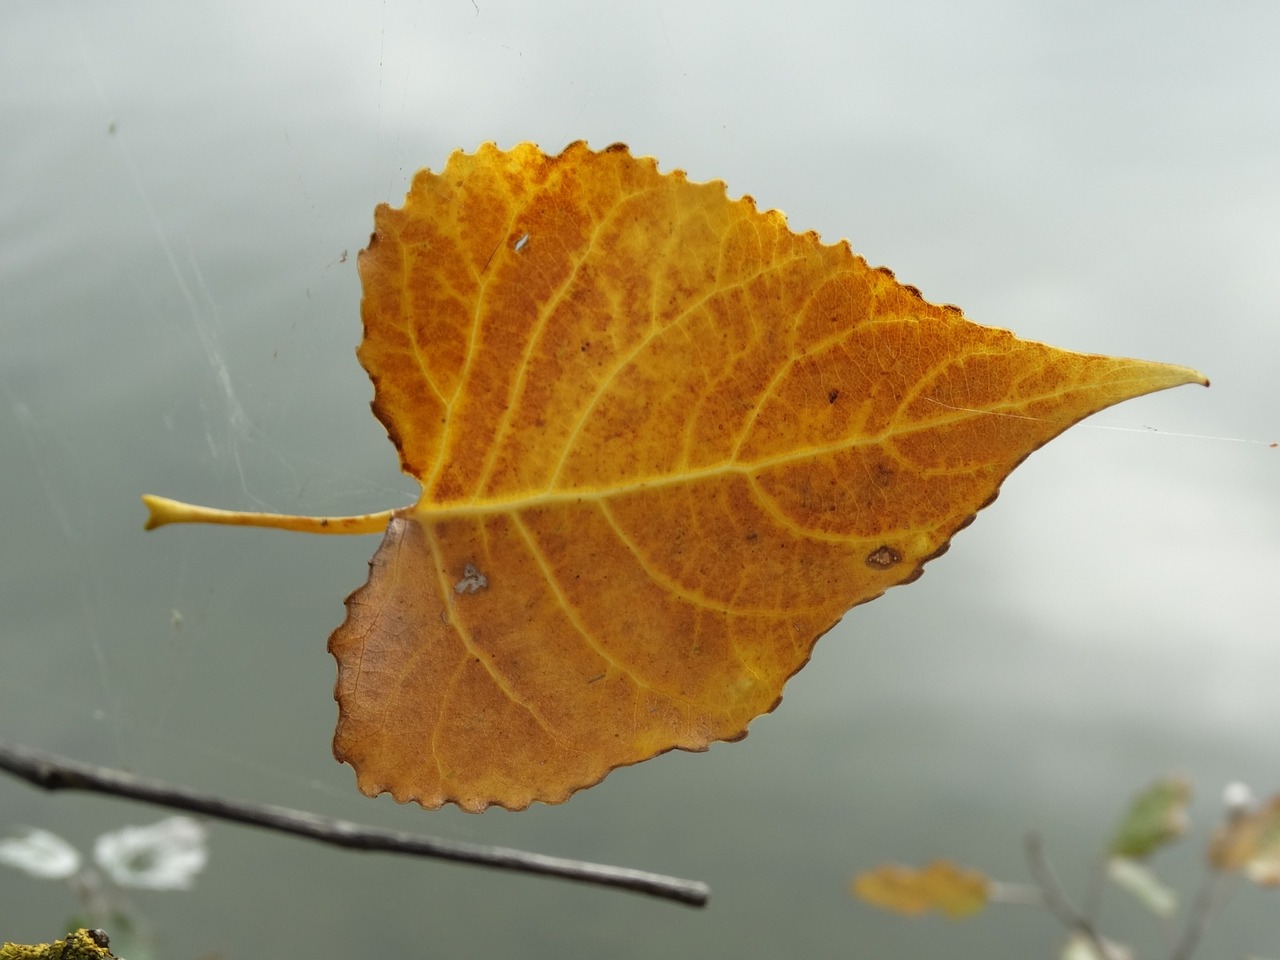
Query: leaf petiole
164	511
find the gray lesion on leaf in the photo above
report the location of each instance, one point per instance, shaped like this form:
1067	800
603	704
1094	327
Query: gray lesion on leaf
472	580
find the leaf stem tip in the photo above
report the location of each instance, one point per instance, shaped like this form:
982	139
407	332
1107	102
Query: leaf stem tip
162	511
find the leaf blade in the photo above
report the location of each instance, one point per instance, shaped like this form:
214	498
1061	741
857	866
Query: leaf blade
1249	844
1157	816
623	391
640	391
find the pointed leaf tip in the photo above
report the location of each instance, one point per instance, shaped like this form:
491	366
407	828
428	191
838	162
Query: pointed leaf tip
1163	376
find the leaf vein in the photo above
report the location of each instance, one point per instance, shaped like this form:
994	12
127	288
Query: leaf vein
548	574
476	653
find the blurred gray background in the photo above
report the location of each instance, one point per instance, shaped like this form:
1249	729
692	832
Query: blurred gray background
183	190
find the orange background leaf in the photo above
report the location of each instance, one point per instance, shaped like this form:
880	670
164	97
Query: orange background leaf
1249	843
941	886
664	444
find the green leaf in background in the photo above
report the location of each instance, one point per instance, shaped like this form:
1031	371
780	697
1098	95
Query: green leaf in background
1157	816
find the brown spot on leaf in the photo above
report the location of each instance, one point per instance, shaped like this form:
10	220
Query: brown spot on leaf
883	557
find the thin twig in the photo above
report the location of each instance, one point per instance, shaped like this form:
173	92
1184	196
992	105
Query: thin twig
1093	893
1201	910
1056	900
52	772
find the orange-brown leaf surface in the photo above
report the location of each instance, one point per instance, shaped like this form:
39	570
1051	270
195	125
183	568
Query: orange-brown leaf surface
941	886
664	444
1249	843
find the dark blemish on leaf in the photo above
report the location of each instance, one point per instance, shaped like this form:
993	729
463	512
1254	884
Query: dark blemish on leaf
914	291
833	396
883	557
752	537
324	522
521	243
473	581
597	678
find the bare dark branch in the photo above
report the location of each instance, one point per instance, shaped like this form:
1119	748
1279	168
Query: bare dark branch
52	772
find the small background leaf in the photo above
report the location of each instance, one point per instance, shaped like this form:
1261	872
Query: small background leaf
1157	816
41	854
163	856
941	886
1140	881
1080	947
1250	844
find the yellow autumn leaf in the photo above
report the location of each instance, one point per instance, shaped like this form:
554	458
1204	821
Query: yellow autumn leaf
941	886
664	444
